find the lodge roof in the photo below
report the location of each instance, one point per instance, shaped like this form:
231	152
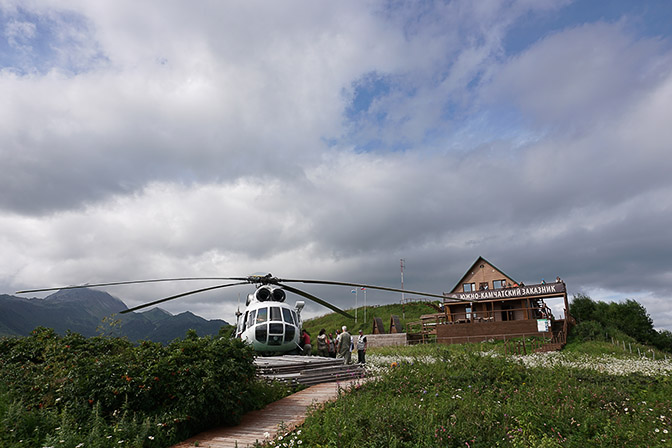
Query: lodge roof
479	260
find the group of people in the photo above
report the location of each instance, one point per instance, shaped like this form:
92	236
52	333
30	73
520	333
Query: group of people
340	346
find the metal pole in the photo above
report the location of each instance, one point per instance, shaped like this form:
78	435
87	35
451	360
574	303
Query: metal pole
364	306
403	312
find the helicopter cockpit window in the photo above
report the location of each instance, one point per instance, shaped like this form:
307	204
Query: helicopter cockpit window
286	313
260	333
296	319
250	318
275	314
262	315
243	322
290	331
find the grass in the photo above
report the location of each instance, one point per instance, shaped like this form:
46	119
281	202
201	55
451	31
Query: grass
631	350
450	396
409	312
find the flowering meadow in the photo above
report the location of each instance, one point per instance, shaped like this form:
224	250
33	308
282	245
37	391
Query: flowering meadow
465	396
75	392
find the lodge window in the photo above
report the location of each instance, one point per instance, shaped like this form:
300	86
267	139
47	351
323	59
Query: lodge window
469	287
499	284
482	286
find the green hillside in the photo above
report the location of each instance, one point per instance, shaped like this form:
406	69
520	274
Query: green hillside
472	395
409	312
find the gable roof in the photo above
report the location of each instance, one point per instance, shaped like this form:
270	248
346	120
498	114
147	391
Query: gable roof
480	260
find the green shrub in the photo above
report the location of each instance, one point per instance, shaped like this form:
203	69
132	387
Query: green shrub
108	392
589	330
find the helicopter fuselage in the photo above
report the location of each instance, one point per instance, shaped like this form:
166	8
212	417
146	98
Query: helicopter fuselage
269	324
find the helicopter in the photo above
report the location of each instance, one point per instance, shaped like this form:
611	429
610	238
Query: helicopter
268	324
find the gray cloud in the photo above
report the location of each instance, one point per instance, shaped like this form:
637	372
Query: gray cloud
228	141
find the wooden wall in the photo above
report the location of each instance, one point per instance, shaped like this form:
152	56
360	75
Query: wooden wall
384	340
476	332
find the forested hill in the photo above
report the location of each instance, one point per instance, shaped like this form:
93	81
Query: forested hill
598	320
91	312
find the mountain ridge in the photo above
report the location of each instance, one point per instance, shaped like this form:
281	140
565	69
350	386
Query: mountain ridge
93	312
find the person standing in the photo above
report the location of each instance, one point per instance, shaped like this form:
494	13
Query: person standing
305	343
344	346
361	348
332	346
322	344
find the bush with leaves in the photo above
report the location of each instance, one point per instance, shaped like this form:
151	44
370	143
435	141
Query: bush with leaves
101	389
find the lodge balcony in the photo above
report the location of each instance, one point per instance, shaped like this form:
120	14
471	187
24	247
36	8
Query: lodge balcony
484	325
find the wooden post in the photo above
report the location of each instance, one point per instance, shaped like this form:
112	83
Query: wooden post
566	307
527	309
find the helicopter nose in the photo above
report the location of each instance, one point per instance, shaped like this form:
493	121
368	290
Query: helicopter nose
275	333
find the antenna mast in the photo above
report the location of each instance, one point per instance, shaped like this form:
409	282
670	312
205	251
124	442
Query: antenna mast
401	263
403	299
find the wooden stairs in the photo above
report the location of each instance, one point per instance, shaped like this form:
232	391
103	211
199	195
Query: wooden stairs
307	370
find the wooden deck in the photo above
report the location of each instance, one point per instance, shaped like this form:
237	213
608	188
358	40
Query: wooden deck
288	413
307	370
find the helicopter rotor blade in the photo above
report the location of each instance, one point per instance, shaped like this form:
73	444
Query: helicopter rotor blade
188	293
132	282
360	285
316	299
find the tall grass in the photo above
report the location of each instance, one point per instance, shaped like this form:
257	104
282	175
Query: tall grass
438	396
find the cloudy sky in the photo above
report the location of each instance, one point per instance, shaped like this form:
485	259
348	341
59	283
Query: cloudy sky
329	140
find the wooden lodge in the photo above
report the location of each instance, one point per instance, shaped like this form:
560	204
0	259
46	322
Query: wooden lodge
487	304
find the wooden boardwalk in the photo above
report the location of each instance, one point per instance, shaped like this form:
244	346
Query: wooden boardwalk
287	413
307	370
